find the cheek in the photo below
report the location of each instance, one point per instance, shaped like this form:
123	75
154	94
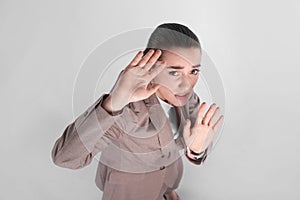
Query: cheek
194	81
164	80
168	84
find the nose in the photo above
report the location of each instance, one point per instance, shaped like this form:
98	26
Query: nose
184	84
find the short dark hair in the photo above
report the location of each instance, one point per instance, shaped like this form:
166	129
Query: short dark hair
168	35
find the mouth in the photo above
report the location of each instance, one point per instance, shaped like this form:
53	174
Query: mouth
182	97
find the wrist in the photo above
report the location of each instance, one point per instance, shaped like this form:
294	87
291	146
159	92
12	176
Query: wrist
110	107
193	154
194	151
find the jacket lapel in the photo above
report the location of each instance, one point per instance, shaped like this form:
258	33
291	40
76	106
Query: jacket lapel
157	114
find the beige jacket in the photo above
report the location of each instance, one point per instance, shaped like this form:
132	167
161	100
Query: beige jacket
137	139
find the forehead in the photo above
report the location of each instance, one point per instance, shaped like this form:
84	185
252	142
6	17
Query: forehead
181	56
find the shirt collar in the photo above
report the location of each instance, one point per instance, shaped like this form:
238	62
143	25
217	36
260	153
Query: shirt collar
164	105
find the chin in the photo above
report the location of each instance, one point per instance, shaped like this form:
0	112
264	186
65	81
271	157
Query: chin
178	104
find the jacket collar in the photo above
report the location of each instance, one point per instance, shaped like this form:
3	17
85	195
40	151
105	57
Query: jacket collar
157	114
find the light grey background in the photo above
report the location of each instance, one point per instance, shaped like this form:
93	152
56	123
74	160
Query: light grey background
254	44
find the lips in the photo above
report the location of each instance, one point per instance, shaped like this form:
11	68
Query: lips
182	96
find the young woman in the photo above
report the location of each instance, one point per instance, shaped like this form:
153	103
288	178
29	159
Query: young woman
134	128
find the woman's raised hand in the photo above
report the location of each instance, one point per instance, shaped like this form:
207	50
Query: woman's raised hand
134	82
201	135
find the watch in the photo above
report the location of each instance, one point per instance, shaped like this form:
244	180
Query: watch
194	154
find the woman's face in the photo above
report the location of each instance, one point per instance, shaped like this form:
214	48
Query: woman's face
180	75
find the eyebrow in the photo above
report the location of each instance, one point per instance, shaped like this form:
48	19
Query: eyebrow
181	67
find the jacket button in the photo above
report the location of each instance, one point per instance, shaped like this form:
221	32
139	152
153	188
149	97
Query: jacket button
162	167
162	156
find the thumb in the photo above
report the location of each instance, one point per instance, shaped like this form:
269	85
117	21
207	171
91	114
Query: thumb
154	87
186	129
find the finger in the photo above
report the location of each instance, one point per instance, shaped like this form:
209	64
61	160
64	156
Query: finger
213	118
159	66
136	59
145	59
218	123
152	60
209	113
200	114
152	89
186	129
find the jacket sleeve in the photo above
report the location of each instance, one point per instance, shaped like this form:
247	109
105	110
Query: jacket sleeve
90	133
194	105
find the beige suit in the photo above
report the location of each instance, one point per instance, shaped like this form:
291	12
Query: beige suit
139	157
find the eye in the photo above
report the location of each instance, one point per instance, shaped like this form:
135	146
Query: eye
195	71
174	73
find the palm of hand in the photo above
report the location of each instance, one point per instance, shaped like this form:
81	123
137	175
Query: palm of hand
201	135
133	84
142	86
